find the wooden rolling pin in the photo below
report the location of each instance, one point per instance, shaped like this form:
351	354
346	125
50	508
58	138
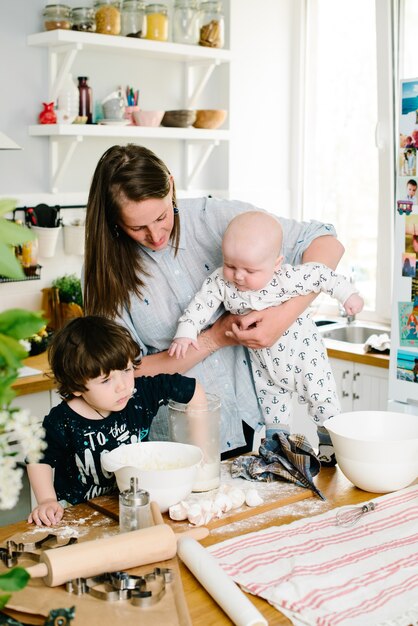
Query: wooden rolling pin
91	558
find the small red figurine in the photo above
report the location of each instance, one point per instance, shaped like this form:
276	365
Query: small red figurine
47	115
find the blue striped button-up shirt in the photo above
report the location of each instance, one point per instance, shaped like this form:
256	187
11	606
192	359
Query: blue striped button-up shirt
171	284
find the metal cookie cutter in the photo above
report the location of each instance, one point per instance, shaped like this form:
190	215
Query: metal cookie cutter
151	587
14	549
143	591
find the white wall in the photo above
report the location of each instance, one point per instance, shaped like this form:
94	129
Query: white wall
263	39
265	44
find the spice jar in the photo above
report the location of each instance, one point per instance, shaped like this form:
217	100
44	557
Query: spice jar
134	508
186	22
212	24
57	16
132	18
107	17
83	19
156	22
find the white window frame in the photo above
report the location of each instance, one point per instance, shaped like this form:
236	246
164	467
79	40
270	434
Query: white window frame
387	20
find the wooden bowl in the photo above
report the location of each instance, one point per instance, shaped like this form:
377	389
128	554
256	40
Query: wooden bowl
180	118
210	118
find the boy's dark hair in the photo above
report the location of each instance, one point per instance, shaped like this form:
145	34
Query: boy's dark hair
412	182
88	347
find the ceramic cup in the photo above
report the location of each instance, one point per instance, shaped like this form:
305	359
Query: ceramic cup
114	108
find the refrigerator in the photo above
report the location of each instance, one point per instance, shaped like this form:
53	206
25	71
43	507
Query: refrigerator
403	371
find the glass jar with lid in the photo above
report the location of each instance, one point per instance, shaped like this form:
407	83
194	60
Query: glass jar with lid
132	18
57	16
107	16
82	19
212	24
156	19
186	22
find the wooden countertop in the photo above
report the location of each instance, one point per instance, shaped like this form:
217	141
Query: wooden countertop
203	610
38	382
335	349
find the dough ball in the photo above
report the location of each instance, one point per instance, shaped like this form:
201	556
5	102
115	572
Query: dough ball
237	497
253	498
178	512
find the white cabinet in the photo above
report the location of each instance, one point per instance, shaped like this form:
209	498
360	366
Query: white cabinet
361	387
198	65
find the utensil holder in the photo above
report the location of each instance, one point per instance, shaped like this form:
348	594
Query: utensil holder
47	240
74	239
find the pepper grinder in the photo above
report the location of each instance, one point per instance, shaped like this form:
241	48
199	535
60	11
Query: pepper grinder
134	508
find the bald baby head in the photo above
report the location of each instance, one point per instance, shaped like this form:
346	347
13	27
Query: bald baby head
251	246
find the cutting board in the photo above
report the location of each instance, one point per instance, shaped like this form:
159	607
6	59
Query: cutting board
84	523
275	495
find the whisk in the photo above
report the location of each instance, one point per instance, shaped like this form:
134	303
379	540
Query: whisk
350	517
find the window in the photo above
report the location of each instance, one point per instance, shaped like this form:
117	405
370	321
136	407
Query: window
347	176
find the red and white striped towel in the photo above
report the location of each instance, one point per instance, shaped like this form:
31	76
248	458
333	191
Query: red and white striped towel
320	574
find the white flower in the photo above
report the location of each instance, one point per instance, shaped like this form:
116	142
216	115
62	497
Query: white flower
17	426
29	433
11	482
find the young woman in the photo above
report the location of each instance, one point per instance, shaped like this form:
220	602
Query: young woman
147	254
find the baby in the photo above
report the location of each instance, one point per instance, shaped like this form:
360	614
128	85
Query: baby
253	278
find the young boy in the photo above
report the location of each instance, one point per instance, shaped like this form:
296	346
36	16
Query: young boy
253	278
93	360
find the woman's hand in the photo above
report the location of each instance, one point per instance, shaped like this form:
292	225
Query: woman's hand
220	332
46	513
261	329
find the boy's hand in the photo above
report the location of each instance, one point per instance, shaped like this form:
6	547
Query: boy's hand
180	345
47	513
354	304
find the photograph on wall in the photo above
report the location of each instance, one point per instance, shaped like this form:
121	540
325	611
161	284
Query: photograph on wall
411	234
407	162
409	261
409	111
407	189
408	324
407	366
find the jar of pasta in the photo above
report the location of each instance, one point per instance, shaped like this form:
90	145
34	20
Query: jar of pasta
57	16
212	24
156	22
107	16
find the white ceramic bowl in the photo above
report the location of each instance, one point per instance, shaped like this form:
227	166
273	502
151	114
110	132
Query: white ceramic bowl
376	450
165	469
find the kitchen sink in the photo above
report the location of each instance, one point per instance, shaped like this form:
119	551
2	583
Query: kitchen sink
355	332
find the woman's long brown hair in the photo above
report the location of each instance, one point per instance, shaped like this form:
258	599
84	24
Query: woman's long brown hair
113	270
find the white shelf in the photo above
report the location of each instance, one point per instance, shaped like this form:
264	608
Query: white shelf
64	45
144	47
102	130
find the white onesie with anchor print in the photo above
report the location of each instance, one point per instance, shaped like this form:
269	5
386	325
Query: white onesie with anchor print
298	361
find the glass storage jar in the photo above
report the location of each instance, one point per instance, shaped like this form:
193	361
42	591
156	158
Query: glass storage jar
132	17
186	22
212	24
107	17
82	19
57	16
156	22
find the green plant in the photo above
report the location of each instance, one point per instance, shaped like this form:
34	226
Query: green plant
14	580
15	326
69	287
